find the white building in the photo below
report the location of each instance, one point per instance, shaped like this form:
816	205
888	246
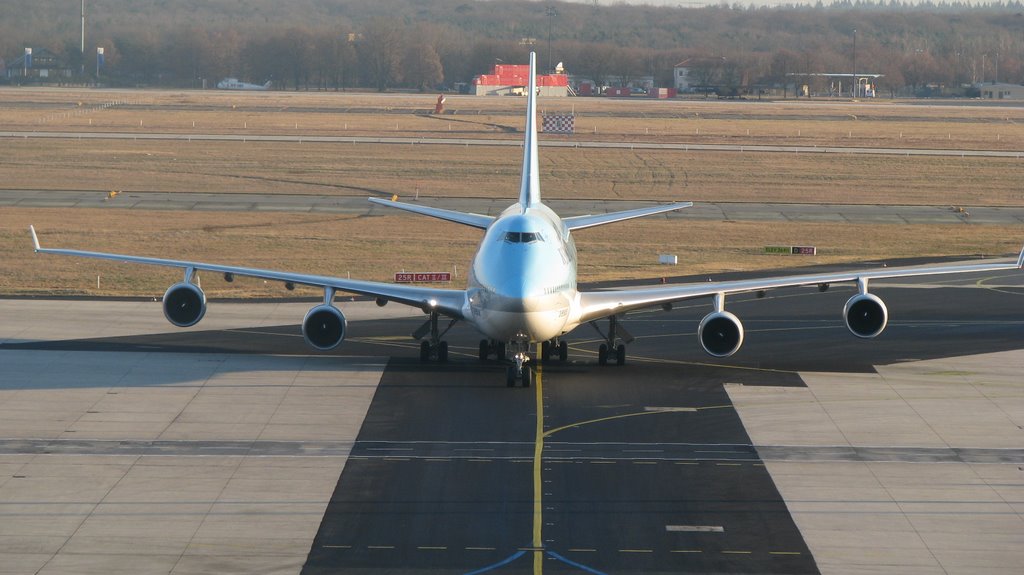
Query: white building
1001	91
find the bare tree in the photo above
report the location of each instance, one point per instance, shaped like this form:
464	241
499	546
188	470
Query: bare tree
380	52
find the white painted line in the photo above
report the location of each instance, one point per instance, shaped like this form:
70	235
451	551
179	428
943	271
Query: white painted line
670	409
695	528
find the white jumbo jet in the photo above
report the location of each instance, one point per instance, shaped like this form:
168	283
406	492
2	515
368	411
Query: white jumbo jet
522	289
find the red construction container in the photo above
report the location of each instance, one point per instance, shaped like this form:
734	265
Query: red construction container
518	75
662	93
618	91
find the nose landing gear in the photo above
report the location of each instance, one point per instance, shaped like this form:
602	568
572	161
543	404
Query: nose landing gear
520	370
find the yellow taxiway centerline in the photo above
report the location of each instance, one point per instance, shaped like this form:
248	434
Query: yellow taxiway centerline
538	452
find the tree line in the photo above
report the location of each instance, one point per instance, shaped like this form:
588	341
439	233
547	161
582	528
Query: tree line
433	44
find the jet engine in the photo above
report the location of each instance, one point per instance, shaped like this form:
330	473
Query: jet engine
324	327
184	304
865	315
720	333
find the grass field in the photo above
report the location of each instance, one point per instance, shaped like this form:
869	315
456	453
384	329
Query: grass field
485	171
358	246
376	247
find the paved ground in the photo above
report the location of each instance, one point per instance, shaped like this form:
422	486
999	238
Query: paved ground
515	141
717	211
131	446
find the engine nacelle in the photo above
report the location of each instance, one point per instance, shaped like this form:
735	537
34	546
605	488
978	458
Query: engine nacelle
865	315
720	333
324	327
184	304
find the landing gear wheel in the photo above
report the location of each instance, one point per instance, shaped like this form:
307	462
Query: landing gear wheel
545	351
485	349
527	376
500	351
424	351
602	355
510	376
620	355
563	351
442	352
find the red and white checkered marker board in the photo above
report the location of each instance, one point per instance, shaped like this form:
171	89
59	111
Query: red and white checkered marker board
560	123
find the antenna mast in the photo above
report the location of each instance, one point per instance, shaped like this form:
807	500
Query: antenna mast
83	37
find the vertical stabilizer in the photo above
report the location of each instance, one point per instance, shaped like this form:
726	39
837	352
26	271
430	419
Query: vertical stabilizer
529	190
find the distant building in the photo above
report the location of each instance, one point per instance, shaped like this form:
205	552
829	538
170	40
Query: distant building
613	85
1001	91
513	79
42	66
841	83
695	74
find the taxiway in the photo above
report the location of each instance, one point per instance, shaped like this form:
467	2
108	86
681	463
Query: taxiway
131	446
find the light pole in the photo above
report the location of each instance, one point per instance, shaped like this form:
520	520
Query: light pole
83	38
551	13
854	87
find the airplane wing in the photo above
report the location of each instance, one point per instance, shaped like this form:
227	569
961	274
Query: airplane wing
582	222
599	304
466	219
449	302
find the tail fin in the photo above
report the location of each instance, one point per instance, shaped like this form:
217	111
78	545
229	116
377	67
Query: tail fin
529	190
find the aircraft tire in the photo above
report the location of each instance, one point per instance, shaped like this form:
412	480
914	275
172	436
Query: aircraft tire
485	349
424	351
442	352
602	355
620	355
563	350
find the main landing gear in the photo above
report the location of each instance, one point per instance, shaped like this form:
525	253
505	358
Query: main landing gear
433	347
609	351
517	351
555	348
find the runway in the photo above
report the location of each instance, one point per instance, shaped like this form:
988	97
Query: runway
809	451
349	205
686	147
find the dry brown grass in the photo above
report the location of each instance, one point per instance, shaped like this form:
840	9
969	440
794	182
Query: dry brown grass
484	171
901	124
376	247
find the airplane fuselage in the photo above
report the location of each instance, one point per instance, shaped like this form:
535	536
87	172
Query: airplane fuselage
522	282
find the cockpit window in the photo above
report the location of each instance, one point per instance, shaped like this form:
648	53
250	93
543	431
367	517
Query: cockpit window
523	237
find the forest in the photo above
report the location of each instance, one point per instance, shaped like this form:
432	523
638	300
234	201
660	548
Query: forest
433	44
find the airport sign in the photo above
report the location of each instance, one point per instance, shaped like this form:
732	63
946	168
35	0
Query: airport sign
422	277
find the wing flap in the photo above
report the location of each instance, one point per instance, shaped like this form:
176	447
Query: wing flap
447	301
599	304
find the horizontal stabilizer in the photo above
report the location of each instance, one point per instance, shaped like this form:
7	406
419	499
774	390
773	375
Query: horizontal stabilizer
582	222
466	219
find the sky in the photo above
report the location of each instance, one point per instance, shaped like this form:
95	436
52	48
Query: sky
696	3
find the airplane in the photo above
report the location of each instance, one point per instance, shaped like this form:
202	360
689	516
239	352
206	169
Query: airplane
522	288
234	84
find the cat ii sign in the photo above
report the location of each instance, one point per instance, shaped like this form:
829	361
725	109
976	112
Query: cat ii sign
422	277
